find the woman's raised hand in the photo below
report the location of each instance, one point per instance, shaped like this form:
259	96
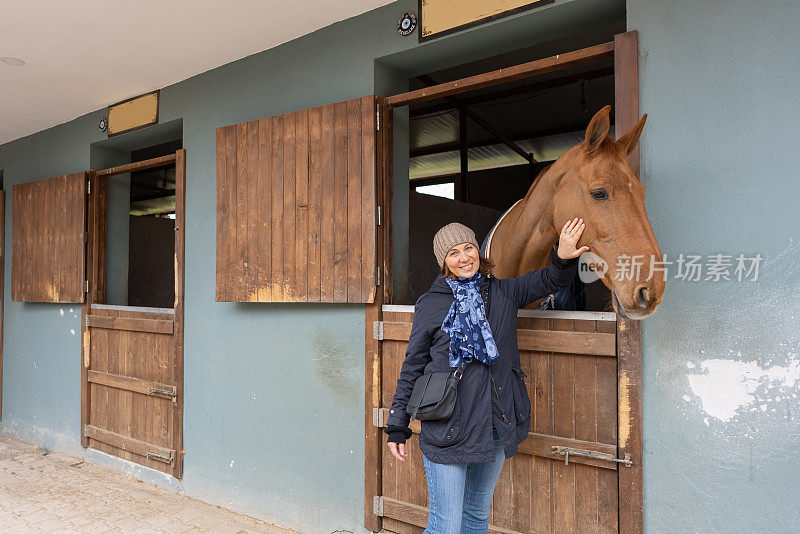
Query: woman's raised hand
398	450
568	239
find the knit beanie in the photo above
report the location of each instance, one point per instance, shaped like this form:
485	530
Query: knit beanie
449	236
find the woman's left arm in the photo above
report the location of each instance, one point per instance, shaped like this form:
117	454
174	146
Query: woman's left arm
539	283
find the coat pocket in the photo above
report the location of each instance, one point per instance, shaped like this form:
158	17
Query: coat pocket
522	402
442	432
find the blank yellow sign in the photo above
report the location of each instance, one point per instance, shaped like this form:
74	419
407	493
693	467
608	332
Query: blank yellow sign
133	113
440	17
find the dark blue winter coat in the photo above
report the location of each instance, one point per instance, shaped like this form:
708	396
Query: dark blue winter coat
487	395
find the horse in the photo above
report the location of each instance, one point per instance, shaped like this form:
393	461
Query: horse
592	180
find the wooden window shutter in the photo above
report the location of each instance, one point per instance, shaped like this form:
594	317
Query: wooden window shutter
296	206
48	225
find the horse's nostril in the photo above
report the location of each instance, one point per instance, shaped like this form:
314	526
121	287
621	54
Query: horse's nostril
641	297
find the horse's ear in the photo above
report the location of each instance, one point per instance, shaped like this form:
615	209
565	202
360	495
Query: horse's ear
629	141
597	129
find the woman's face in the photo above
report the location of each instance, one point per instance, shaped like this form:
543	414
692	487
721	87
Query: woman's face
463	260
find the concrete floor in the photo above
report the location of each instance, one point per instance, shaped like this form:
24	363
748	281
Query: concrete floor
54	492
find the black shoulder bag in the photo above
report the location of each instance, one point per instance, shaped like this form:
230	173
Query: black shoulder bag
434	395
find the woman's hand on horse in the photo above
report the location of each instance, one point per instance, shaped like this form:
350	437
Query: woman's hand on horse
398	450
568	239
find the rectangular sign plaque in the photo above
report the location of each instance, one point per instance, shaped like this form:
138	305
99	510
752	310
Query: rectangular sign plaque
442	17
132	114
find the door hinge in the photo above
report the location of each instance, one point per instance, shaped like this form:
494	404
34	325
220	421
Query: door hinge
377	505
85	431
377	418
378	276
379	215
88	188
378	116
377	330
86	321
567	451
87	286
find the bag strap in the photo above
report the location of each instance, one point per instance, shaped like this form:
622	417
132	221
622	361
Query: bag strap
416	408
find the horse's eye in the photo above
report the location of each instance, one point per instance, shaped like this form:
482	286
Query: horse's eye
599	194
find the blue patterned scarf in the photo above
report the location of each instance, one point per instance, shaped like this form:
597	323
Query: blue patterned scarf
470	336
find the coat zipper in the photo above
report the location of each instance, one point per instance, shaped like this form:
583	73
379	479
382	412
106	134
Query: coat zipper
505	419
485	297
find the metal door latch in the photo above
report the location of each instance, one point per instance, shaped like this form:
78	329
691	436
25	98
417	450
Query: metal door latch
567	451
168	393
157	456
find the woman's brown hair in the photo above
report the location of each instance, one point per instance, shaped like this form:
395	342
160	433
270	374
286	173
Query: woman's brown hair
485	266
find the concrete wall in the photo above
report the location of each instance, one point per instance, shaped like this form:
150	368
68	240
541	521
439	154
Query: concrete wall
721	365
273	395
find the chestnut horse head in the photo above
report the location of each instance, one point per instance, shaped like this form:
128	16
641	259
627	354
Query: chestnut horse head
593	181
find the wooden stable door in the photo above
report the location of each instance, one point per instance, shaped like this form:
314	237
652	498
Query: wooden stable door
569	359
132	365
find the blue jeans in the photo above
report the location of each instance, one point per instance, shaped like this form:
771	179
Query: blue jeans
460	494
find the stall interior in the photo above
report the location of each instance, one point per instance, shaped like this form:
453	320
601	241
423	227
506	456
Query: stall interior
473	155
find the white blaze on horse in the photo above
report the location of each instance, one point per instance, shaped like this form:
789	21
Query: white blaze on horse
593	181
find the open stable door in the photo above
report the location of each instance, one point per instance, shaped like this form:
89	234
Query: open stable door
48	231
132	356
296	206
580	468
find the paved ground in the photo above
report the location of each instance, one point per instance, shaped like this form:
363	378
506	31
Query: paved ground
53	492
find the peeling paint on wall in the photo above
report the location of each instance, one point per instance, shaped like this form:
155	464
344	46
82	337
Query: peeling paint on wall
729	387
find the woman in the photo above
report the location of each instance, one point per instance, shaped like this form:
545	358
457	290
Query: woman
469	317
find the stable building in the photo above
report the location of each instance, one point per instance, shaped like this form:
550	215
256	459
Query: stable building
210	286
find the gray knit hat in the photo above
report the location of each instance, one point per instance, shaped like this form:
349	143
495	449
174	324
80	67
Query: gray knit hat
449	236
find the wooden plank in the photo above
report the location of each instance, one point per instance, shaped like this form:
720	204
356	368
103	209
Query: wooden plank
48	240
541	422
126	443
263	199
607	484
289	221
340	251
161	161
223	216
328	199
248	230
241	230
586	429
368	199
567	342
136	385
178	307
315	204
508	74
386	184
354	247
301	206
564	426
629	333
158	326
276	212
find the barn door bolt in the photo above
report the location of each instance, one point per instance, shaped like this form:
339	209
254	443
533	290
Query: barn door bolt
161	457
377	505
566	451
157	391
377	330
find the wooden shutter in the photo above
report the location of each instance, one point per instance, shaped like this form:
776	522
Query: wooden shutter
47	239
296	208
